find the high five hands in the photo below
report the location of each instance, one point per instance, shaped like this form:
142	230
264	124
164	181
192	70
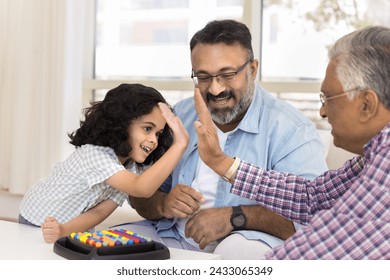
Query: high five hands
208	144
209	224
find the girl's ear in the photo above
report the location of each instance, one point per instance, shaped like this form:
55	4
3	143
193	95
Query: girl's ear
370	105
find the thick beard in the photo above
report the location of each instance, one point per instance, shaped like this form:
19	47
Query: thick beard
227	115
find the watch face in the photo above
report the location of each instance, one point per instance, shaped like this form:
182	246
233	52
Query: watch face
239	220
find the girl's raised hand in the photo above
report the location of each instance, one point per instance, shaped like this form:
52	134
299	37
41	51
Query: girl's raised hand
180	134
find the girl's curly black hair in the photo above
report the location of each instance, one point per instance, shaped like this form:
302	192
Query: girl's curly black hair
106	122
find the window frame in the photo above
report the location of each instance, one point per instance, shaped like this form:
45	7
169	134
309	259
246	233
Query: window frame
252	17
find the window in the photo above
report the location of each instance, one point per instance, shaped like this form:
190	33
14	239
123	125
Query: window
150	39
297	34
147	41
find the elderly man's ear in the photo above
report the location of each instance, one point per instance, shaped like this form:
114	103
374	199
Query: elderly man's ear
370	106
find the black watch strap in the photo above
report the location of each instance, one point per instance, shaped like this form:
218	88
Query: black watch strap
238	219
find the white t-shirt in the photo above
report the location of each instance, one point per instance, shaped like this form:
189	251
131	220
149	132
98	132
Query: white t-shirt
205	182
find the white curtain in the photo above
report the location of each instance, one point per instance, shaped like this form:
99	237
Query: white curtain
40	86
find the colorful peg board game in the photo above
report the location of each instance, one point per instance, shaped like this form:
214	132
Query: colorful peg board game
111	244
109	238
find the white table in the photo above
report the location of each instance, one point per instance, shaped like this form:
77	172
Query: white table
22	242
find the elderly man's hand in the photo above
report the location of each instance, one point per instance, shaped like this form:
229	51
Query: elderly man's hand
209	150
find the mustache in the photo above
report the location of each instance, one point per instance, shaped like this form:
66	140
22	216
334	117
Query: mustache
224	94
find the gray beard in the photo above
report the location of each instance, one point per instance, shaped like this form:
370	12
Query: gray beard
227	115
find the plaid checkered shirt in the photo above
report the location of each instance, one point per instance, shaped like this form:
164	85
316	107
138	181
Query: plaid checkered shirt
74	186
346	211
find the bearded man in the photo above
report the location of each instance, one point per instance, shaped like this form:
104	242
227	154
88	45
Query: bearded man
194	209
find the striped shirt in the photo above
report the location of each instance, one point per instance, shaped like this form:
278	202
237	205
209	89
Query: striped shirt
74	186
346	211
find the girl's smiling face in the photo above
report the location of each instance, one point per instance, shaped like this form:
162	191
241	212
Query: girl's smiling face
143	135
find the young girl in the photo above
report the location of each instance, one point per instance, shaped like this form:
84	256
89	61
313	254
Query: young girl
128	128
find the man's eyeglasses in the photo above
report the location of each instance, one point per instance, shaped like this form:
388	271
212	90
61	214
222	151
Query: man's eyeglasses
226	77
324	98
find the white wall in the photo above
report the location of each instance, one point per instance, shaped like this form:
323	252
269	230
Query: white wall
9	206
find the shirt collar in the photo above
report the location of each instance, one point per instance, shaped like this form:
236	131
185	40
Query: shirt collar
250	122
381	138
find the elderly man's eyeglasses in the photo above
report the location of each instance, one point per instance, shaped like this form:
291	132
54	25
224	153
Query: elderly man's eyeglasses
226	77
324	98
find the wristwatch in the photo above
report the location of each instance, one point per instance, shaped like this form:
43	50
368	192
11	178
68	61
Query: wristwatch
238	219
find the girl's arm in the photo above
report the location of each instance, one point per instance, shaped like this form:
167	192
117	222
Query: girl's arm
146	184
52	230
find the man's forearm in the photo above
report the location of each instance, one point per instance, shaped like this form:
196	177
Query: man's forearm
262	219
149	208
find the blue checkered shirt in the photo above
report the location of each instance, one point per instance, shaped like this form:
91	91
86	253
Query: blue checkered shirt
74	186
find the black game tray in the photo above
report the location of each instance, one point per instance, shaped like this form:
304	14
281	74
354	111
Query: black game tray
73	249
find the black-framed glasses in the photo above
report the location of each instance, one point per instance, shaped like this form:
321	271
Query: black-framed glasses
225	77
324	98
